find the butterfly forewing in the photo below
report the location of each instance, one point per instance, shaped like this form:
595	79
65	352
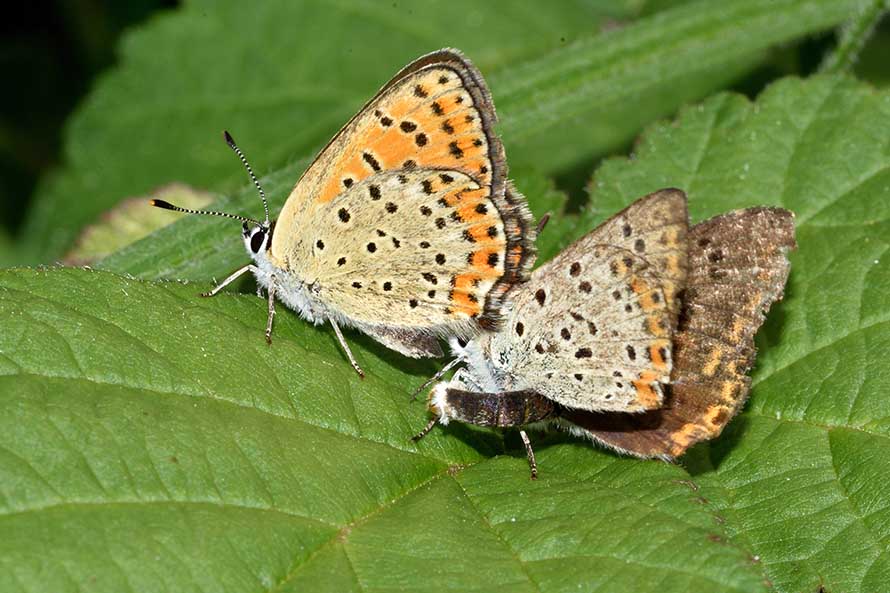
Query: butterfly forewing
592	329
655	228
431	127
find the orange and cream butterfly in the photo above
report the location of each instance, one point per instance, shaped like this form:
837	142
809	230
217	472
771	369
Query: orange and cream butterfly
405	226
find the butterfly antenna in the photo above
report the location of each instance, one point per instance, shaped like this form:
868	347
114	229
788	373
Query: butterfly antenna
542	223
168	206
231	142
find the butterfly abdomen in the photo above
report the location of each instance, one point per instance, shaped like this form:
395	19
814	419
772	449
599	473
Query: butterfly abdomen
503	409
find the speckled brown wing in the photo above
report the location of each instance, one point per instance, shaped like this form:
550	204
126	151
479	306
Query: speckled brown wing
737	269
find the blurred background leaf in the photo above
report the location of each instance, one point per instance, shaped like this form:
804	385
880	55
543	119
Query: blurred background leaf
572	80
130	221
51	52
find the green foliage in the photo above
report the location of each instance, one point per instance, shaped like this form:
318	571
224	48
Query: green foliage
285	78
156	428
151	440
218	461
797	477
853	35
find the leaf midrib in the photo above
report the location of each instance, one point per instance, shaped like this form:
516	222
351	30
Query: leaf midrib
345	529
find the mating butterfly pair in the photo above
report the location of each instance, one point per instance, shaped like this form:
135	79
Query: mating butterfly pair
406	228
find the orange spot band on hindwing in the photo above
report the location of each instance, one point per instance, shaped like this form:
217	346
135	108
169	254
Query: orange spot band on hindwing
647	397
485	262
658	355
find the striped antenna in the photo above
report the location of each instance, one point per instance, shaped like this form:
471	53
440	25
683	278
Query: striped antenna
168	206
231	142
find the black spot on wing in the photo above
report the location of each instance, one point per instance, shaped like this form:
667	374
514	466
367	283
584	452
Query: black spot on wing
371	161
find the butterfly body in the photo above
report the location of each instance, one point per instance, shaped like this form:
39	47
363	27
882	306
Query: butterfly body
298	293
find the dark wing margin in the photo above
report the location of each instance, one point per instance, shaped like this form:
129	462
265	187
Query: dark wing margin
410	342
520	231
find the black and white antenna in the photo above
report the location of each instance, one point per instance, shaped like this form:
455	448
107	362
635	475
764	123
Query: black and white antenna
231	142
168	206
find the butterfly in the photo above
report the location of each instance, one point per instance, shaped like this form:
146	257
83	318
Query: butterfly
405	226
638	336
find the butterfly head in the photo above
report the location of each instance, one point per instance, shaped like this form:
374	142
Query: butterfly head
485	365
257	234
257	237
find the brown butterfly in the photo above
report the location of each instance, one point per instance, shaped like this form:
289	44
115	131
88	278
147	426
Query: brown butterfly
638	336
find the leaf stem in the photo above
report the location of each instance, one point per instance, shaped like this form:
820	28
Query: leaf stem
853	35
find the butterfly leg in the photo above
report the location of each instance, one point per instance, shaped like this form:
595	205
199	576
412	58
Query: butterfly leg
232	277
426	430
530	453
271	292
463	377
434	378
346	349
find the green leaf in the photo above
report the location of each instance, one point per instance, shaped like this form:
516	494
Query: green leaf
284	76
800	477
546	200
151	439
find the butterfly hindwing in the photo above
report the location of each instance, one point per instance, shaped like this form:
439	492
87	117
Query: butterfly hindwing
737	269
434	251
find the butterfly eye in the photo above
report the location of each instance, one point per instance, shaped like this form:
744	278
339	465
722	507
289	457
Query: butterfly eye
462	342
256	242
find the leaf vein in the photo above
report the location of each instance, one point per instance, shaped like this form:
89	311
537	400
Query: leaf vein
497	534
